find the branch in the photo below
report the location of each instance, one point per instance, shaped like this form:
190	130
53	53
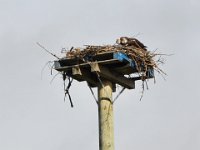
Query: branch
47	50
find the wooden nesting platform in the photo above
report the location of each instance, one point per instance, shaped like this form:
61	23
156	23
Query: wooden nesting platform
112	66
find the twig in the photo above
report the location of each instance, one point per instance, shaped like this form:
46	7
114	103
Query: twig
47	50
46	64
54	77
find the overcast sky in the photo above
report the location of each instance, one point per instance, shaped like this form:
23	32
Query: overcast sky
33	115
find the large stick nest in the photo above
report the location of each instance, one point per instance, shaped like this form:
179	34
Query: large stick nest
134	49
143	58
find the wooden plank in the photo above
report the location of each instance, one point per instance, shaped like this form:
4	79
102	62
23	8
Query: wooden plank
125	69
76	70
81	74
86	64
74	60
113	76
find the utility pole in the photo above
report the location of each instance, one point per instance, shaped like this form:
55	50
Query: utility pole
104	72
105	112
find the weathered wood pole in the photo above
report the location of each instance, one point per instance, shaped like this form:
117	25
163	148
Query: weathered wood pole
105	110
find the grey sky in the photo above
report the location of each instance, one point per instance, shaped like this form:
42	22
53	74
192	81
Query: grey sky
32	112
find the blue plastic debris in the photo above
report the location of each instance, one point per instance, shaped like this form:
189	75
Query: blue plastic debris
150	73
124	58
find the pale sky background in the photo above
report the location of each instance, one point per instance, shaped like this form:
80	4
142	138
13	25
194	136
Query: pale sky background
33	115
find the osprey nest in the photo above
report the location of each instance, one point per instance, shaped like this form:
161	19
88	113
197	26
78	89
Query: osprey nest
135	60
133	48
